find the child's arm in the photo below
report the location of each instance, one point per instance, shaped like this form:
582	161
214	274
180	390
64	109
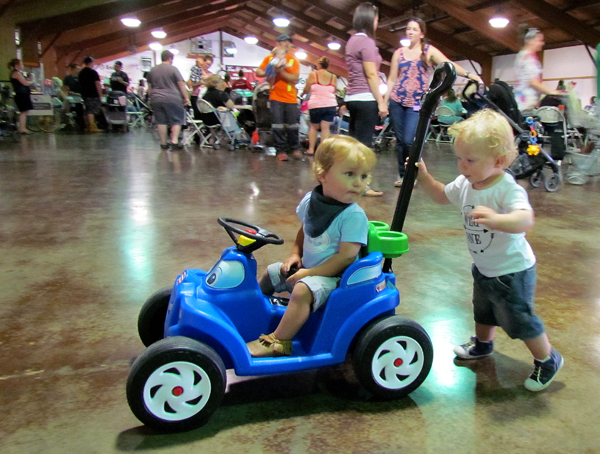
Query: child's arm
333	266
295	258
517	221
432	187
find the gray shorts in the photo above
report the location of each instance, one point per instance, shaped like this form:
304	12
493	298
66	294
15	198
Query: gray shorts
166	113
320	286
92	105
507	301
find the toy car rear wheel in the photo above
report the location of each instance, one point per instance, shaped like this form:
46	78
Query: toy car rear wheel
537	178
392	357
176	384
552	183
151	321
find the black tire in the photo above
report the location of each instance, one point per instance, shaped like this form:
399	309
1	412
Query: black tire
552	183
151	321
392	357
176	384
537	178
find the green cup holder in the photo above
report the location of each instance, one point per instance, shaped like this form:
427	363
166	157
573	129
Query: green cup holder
381	239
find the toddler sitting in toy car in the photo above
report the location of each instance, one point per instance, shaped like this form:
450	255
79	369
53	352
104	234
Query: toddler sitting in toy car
333	230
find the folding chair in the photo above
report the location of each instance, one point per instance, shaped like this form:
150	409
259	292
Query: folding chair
440	130
212	123
193	128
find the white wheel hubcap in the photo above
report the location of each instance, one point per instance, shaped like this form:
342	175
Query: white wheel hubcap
177	391
397	362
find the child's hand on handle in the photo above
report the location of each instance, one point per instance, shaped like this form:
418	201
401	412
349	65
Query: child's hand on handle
422	169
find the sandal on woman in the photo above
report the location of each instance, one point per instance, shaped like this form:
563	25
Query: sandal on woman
372	193
398	183
268	345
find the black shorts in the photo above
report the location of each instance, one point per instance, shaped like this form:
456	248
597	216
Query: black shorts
322	114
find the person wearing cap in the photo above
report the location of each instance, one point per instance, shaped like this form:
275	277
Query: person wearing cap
282	70
119	80
91	92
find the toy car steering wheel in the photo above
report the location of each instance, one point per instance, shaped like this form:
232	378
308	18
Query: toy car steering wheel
259	235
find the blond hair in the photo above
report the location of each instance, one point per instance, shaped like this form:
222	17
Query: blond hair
490	132
213	81
338	147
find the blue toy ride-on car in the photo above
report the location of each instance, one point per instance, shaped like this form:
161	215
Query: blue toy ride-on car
197	329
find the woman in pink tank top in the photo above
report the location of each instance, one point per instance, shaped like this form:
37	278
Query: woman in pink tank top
322	103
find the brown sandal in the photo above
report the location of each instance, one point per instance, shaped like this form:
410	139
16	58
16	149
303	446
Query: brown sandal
268	345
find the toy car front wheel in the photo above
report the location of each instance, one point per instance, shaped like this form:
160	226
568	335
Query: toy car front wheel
392	357
176	384
151	321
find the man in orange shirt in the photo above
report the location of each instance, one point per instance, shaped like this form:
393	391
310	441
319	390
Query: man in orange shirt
282	71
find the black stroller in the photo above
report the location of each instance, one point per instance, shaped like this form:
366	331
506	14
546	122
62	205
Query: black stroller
8	114
532	160
262	115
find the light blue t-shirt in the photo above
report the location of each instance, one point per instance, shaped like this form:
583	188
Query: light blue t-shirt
350	226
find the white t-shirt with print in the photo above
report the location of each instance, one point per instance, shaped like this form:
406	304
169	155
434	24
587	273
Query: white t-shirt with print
495	253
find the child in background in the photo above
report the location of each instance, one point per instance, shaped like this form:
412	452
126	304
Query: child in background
496	214
333	230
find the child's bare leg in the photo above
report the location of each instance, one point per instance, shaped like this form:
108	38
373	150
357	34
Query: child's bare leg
539	346
485	333
296	313
266	286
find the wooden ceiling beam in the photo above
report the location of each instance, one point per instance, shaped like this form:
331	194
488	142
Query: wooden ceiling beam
508	36
87	16
107	52
562	20
175	20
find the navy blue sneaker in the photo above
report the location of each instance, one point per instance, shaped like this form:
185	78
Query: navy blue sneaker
544	372
474	349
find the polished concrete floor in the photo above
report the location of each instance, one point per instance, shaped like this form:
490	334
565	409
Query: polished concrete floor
90	225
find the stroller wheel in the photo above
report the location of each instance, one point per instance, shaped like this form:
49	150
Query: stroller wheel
552	183
537	178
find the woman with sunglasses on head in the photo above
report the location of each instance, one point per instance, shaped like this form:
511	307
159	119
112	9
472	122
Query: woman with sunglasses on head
410	72
363	100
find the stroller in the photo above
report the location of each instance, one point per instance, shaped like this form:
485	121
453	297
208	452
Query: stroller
384	134
262	115
115	110
532	160
8	124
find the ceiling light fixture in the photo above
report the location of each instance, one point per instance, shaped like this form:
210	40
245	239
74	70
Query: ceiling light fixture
174	50
155	46
131	21
281	21
251	39
300	55
334	45
405	42
499	21
159	34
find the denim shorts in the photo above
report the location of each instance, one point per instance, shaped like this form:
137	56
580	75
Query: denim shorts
507	301
322	114
320	286
167	113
